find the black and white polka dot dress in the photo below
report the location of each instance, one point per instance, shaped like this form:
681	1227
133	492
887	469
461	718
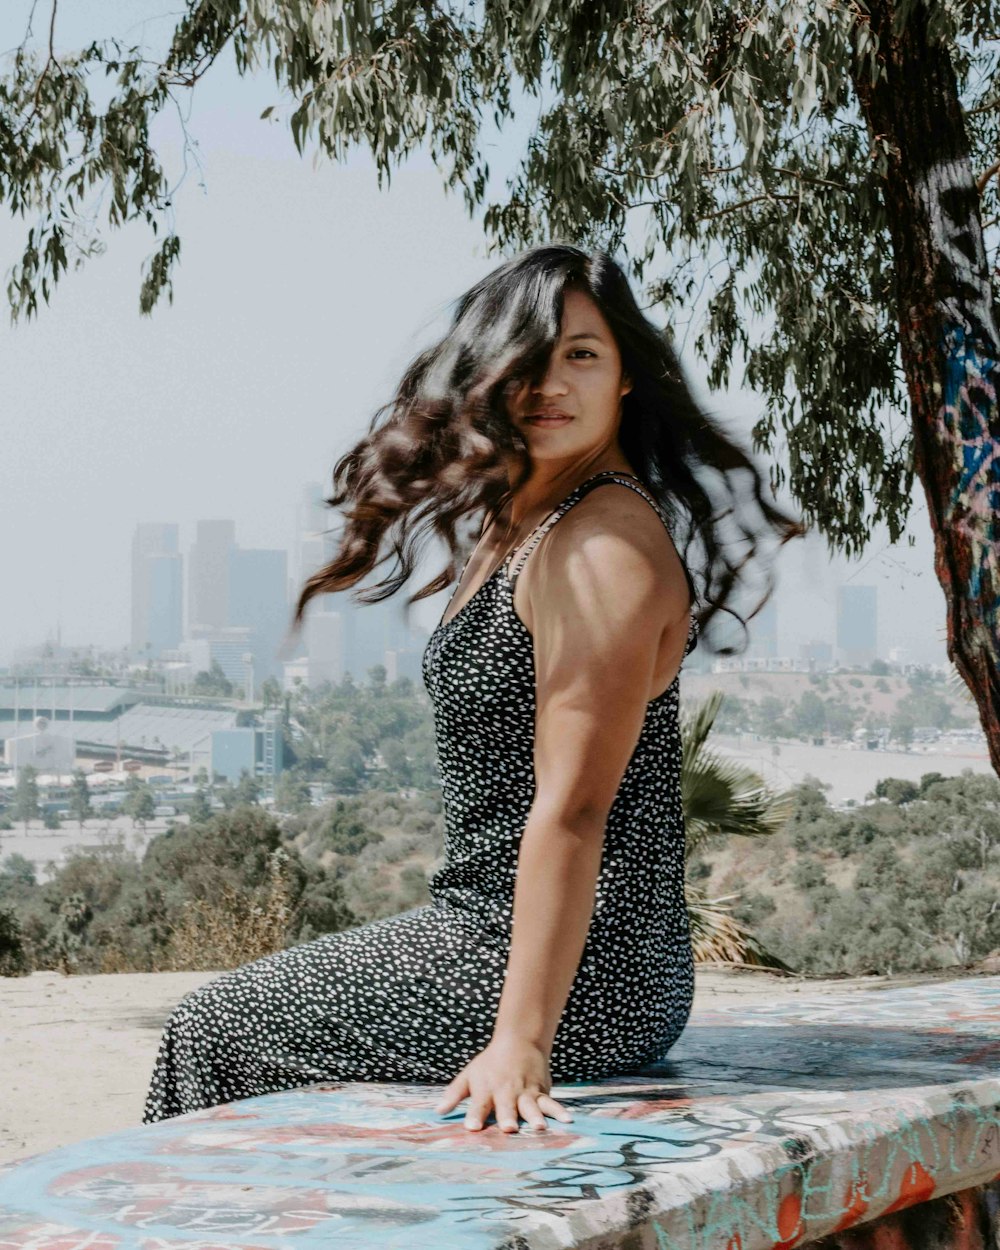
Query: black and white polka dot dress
413	997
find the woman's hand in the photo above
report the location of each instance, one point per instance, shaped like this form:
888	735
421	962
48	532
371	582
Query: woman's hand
510	1075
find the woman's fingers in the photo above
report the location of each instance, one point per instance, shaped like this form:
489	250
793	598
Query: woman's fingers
506	1113
479	1109
549	1106
529	1107
510	1107
453	1094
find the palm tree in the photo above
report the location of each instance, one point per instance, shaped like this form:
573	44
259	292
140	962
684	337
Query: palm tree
957	687
721	797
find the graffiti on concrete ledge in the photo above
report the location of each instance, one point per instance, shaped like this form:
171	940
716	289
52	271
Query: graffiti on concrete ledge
774	1124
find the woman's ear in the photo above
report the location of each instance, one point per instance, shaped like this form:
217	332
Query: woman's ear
626	384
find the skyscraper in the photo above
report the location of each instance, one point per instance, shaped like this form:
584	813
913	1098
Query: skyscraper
208	578
157	589
856	624
258	598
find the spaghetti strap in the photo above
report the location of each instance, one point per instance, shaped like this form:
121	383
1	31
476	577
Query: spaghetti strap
543	527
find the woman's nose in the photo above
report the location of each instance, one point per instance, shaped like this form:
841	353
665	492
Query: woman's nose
553	383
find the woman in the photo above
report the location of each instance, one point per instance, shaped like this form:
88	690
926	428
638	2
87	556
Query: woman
556	946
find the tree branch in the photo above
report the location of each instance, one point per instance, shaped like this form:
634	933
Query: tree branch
52	60
754	199
984	177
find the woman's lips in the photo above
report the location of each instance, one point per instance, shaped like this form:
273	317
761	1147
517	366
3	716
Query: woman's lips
544	422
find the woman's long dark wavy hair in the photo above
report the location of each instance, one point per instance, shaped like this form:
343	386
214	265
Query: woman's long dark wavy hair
445	448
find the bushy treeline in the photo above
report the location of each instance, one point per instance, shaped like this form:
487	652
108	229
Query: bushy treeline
907	882
224	888
382	846
205	895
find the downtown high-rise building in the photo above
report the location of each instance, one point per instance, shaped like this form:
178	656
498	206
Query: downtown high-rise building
157	590
857	621
258	599
208	574
237	604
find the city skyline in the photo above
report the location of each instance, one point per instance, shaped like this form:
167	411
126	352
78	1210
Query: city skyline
812	592
216	602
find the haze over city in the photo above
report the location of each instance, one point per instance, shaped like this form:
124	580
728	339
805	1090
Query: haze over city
302	293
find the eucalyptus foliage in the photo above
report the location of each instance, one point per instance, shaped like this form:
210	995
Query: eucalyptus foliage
730	130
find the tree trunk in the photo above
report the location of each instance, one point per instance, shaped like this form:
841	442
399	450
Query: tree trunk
948	333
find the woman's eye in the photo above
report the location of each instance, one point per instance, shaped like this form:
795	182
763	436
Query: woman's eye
584	350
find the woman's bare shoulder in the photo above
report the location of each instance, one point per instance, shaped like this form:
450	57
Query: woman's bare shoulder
608	521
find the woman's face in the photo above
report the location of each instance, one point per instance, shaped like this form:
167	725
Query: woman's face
583	381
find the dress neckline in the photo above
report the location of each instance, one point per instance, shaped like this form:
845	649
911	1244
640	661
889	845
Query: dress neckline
505	563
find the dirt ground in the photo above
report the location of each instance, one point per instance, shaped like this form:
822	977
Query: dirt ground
77	1052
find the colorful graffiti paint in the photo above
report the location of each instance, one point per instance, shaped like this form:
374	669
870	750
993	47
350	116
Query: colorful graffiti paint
963	477
967	1220
969	427
771	1124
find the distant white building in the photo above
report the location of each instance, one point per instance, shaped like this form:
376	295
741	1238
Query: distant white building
41	748
296	672
227	645
769	664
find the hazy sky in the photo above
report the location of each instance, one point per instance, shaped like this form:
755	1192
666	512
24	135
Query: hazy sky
301	294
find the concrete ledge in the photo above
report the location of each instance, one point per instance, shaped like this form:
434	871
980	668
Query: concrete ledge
771	1125
966	1220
